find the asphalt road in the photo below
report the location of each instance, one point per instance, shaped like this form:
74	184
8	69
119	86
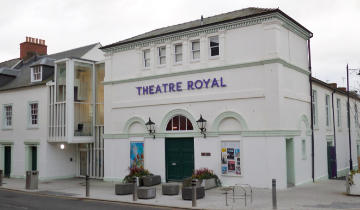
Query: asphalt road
15	200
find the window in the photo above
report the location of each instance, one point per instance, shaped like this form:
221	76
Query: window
7	116
195	49
303	149
162	55
146	54
33	113
314	107
36	74
327	109
356	116
179	123
178	53
338	112
214	46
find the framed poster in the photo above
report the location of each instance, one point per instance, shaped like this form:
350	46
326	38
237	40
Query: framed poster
230	158
136	154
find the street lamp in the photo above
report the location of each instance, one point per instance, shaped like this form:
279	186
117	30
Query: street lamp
202	125
150	126
348	108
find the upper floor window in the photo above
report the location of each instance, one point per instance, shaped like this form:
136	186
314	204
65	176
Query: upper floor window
36	74
146	55
314	107
7	112
162	55
338	112
33	113
179	123
214	45
178	53
195	49
327	109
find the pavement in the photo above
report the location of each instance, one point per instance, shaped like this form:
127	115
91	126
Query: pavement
326	194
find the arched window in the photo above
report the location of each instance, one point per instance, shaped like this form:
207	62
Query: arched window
179	123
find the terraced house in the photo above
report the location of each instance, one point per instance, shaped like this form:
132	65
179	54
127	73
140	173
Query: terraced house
51	114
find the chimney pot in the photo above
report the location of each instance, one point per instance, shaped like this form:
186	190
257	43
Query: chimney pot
32	46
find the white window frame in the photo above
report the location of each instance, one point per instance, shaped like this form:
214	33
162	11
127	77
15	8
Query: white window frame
30	114
315	108
144	59
5	118
209	47
338	112
196	50
161	56
327	111
34	72
178	54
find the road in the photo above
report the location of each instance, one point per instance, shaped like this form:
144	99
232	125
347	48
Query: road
15	200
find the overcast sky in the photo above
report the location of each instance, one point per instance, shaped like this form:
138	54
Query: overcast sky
66	24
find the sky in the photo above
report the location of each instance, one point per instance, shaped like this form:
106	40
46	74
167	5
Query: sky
67	24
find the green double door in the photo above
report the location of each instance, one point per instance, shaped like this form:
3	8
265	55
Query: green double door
7	162
179	156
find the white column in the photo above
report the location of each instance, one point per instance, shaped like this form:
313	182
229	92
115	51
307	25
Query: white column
70	100
204	51
2	157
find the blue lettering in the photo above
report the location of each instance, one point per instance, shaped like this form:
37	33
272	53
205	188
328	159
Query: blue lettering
222	82
198	84
165	85
145	90
138	88
151	87
214	83
171	87
178	86
190	85
207	83
158	89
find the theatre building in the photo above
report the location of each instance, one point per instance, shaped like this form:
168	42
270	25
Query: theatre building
245	72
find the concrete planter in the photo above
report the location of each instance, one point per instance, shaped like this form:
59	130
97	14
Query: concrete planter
208	183
354	189
146	192
151	180
186	193
124	189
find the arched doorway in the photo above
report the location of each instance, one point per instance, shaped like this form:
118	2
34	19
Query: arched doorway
179	152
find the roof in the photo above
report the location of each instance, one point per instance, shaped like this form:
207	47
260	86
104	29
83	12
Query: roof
23	77
8	72
10	63
333	87
212	20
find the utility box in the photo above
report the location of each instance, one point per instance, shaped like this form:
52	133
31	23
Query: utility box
32	178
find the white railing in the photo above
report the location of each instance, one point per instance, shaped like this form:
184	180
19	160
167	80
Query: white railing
57	118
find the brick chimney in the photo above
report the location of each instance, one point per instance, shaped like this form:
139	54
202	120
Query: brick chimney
32	47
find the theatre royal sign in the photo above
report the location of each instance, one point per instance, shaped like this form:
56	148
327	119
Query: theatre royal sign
173	87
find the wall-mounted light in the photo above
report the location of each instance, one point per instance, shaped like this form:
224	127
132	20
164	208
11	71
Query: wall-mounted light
202	125
62	146
150	126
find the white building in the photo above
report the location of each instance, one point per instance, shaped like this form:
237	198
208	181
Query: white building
247	73
34	123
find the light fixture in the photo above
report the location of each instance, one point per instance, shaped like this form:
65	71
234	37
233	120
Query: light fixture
62	146
150	126
202	125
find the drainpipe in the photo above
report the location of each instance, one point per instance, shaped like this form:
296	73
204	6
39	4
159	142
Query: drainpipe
312	115
333	114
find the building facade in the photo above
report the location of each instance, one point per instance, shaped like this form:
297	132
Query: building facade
35	130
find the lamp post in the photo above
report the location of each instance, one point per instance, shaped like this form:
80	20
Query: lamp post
348	109
202	125
150	126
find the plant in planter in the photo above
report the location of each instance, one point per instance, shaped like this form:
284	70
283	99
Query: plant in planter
206	177
353	182
136	172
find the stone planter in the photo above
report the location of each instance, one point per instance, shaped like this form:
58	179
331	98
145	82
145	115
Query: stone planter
151	180
124	189
354	189
146	192
186	193
208	183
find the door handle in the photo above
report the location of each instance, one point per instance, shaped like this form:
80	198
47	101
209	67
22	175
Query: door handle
173	164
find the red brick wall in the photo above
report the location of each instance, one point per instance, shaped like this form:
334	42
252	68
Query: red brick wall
31	47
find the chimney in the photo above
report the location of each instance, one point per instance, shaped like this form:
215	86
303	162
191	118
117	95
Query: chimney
32	47
333	85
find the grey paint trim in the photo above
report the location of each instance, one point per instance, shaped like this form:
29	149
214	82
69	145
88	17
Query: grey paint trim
220	68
